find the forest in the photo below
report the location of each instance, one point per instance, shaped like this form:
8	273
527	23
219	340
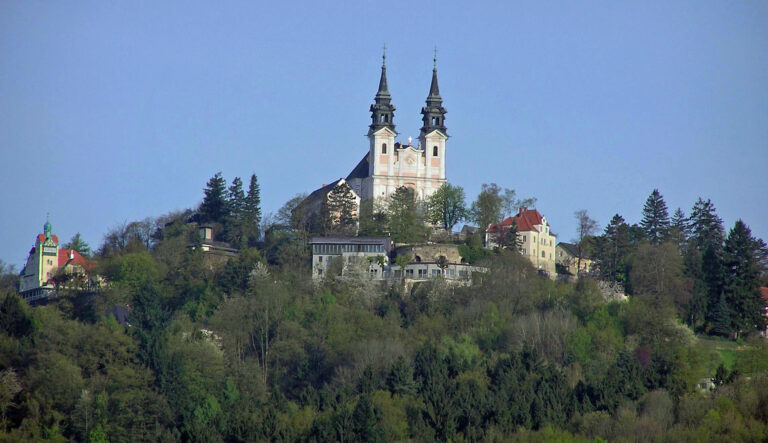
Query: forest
254	350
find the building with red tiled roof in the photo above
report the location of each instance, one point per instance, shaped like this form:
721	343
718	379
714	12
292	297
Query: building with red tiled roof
48	267
537	242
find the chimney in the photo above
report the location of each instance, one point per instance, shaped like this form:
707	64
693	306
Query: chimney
71	254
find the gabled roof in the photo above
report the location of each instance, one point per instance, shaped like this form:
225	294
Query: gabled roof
526	219
570	248
361	170
77	259
323	191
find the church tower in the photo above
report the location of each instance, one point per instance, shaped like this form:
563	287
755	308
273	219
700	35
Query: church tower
381	133
433	133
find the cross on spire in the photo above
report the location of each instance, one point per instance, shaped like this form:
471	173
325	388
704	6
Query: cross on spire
384	54
434	59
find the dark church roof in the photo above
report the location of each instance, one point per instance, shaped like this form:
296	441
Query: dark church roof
361	170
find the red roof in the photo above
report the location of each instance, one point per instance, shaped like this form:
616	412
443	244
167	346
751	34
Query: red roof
77	259
764	293
526	220
41	238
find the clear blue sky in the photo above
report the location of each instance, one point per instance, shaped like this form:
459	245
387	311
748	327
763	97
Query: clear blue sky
115	111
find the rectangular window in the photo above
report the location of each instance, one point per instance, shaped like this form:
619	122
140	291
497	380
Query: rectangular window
320	259
422	273
409	272
435	272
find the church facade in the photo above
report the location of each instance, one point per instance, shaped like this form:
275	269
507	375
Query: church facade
389	164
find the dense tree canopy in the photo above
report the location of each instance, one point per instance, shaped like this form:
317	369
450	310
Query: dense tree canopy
252	349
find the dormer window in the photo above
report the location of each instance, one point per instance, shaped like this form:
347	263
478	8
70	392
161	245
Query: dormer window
434	151
383	148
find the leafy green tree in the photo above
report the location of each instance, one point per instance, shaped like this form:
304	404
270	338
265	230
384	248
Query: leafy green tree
446	206
511	204
78	244
215	207
742	258
655	221
404	220
487	208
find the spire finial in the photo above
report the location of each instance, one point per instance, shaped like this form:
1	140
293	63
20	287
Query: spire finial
434	59
384	55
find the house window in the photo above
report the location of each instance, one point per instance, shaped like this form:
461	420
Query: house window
434	151
523	240
383	148
543	254
435	272
320	259
422	273
409	273
522	251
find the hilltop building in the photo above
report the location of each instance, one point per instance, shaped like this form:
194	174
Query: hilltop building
372	256
568	258
537	242
48	266
390	164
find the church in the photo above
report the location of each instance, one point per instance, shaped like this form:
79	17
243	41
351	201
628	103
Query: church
388	165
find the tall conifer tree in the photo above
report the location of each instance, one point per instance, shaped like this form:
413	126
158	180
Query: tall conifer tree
215	206
678	230
252	211
655	221
705	226
742	265
236	205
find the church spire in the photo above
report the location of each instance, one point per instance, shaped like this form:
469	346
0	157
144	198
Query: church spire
434	113
383	89
382	110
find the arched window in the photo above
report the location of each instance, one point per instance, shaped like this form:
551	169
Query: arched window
383	148
434	151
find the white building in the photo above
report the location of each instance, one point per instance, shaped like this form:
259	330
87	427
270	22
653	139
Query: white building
390	164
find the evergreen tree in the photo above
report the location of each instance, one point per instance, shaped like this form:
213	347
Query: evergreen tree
614	248
340	211
704	226
252	212
506	237
713	279
742	266
678	230
78	244
400	379
215	207
236	197
236	204
364	421
655	221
